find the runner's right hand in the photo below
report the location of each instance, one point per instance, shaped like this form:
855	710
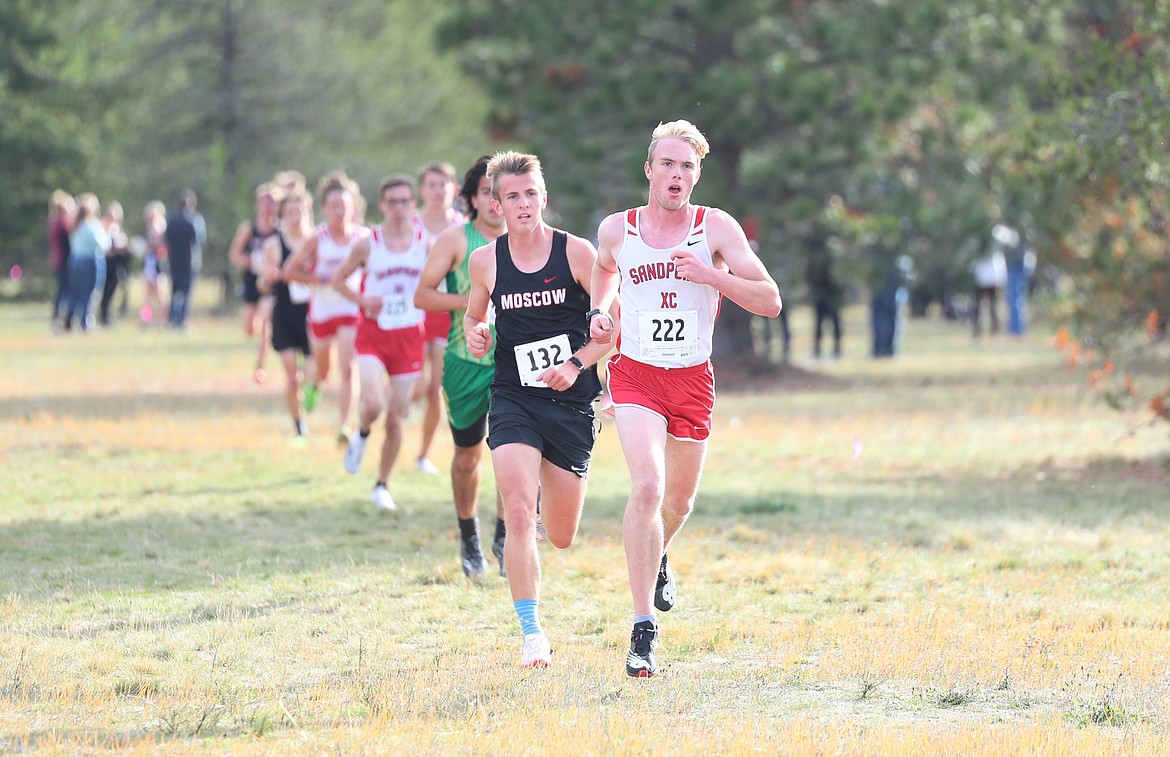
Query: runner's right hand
479	340
601	328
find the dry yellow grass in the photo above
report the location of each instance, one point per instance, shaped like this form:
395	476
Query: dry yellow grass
954	552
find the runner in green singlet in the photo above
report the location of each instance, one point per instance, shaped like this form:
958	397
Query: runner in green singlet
466	379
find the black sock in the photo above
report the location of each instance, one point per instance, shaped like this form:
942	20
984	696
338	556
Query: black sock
469	528
364	433
501	531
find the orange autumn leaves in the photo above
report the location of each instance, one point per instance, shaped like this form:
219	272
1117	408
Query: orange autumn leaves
1114	386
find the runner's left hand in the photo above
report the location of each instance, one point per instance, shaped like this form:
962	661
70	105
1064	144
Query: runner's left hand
560	377
688	267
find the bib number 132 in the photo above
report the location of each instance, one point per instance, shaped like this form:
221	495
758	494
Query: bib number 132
534	358
669	333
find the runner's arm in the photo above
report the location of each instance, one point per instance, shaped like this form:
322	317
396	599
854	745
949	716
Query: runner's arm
236	255
357	258
270	273
744	281
299	266
481	271
603	287
583	262
444	256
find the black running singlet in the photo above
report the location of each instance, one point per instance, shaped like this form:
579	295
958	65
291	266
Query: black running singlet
540	321
281	290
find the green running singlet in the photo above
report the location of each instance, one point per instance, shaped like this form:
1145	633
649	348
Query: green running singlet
459	282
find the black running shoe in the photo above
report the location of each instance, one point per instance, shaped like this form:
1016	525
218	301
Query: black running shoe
664	590
640	661
474	563
498	551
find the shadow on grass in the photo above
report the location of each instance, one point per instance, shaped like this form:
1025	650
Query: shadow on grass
194	537
1091	494
131	405
295	528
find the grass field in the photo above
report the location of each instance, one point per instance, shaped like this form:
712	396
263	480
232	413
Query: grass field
958	551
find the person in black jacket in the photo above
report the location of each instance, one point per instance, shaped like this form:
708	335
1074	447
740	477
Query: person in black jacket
185	236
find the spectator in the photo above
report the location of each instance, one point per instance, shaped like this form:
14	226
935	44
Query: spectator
990	272
1019	265
185	235
61	217
117	263
155	216
87	261
826	293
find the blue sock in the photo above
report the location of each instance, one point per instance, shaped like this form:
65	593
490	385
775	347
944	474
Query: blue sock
529	620
650	617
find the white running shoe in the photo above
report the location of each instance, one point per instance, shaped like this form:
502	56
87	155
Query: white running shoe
383	500
665	589
353	453
424	465
537	653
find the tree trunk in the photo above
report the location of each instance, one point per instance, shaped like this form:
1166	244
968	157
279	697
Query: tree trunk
229	119
733	334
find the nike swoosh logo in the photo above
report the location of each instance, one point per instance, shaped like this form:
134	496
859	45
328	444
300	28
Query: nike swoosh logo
549	281
693	242
636	662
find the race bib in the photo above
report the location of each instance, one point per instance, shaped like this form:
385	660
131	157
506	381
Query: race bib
256	261
534	358
299	292
672	334
396	313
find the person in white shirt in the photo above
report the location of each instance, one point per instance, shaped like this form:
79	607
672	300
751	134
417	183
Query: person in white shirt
333	319
389	342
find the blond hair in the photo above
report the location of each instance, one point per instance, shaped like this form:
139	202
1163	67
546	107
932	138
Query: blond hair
290	180
60	199
334	181
359	205
512	163
299	197
680	129
88	206
270	189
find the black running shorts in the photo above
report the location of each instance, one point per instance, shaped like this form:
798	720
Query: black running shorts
290	328
564	434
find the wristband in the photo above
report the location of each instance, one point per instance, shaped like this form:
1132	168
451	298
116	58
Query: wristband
595	311
577	362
